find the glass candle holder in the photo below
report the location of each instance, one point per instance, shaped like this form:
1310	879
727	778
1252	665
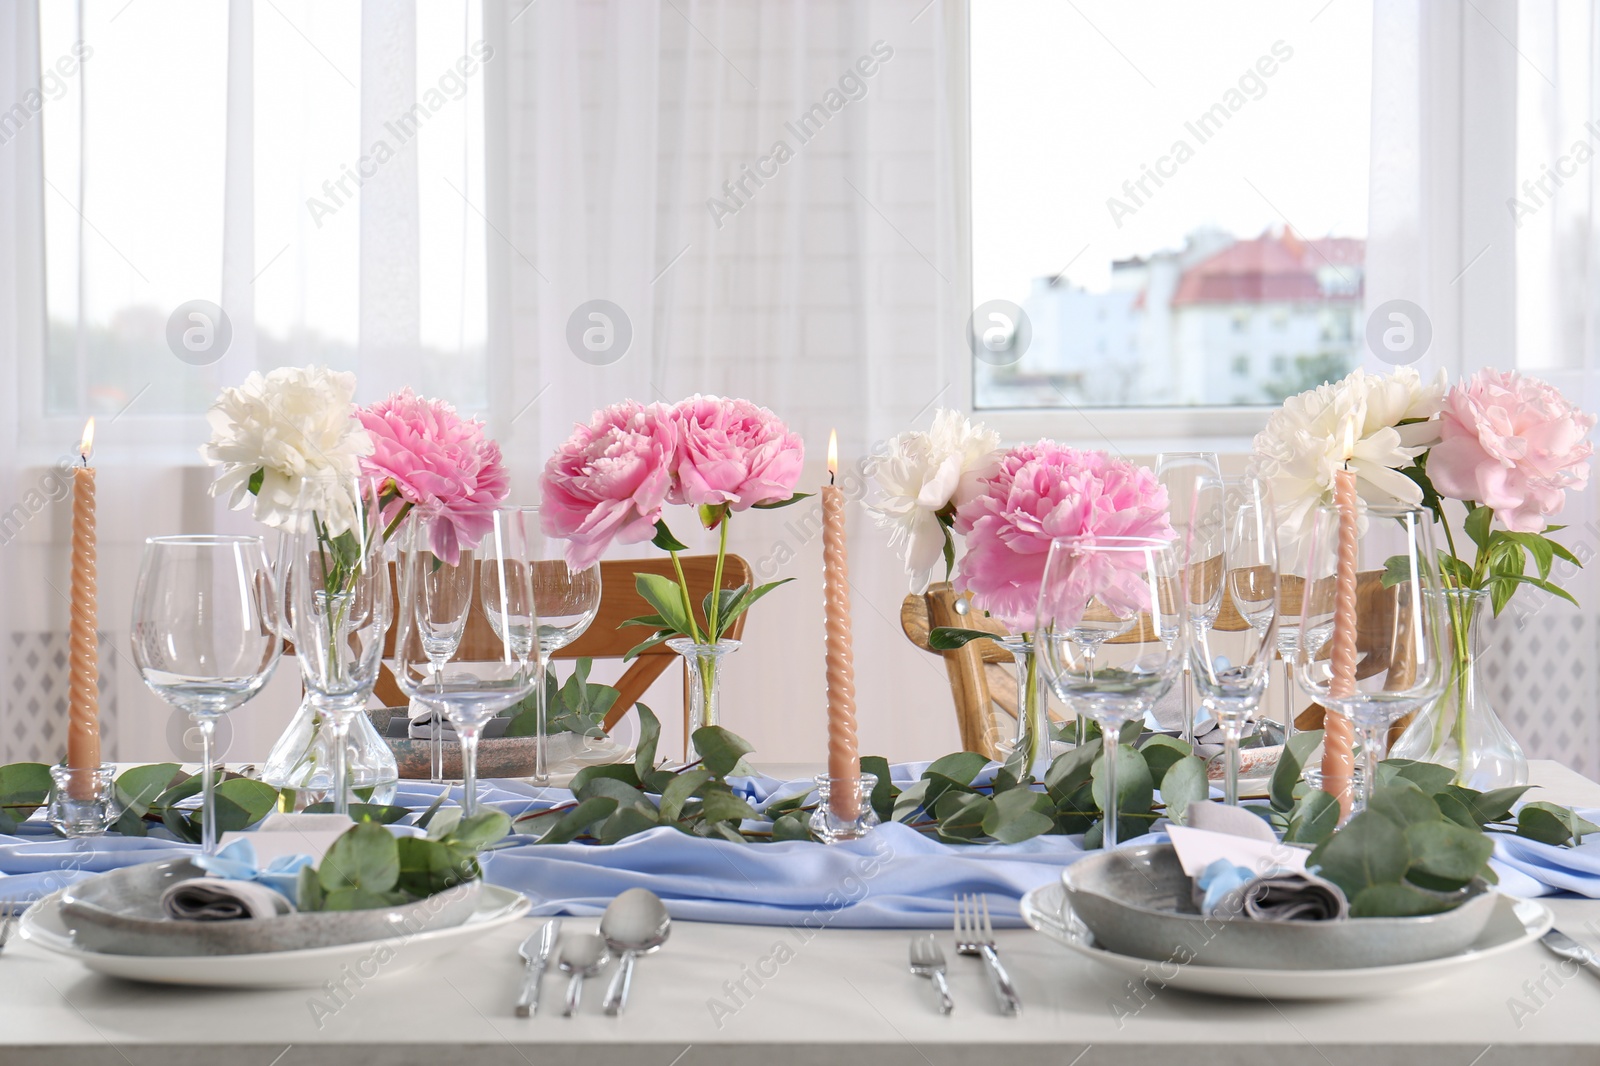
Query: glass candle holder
829	827
83	802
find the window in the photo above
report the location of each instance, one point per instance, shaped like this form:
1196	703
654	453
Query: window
1198	177
136	198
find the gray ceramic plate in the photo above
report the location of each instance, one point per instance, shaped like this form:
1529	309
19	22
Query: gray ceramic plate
119	913
1137	901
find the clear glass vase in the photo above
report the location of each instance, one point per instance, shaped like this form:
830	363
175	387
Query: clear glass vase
302	759
1030	748
1462	730
705	673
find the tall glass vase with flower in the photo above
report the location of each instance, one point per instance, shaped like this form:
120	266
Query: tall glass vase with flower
1492	459
612	480
1510	449
1007	507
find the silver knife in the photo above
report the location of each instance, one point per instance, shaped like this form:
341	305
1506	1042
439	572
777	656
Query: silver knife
536	952
1568	948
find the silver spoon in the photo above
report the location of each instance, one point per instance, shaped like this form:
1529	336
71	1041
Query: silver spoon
581	956
635	923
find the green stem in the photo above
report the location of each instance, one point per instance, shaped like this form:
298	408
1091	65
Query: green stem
400	516
716	582
688	604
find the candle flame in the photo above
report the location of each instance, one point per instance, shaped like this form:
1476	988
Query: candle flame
86	445
1349	440
833	454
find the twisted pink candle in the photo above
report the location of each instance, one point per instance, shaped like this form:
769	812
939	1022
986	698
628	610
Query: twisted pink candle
844	762
1338	735
83	649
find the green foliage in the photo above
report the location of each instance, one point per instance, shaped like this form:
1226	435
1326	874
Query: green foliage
1402	855
24	787
368	866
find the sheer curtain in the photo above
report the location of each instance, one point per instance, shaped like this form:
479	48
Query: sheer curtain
769	199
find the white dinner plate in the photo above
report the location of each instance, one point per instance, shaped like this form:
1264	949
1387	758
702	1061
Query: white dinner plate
309	968
1513	923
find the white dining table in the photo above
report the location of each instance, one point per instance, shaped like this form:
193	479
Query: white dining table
770	996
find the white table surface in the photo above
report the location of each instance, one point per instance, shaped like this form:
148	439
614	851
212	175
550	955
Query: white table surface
844	997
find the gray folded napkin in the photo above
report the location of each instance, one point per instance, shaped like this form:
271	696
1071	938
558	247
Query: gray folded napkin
218	899
1274	895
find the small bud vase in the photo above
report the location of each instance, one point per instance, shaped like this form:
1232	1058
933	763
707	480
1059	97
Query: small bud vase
704	662
1029	750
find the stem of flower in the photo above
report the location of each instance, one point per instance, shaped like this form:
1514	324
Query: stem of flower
688	604
716	582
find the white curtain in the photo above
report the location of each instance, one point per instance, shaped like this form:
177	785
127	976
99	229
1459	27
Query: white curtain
635	159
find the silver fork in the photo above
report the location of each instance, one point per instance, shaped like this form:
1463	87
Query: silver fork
928	961
975	936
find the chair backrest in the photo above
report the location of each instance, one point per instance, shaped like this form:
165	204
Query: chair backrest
979	684
619	601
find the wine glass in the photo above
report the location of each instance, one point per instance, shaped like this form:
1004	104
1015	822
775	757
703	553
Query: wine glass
1197	521
440	603
478	682
1232	684
205	635
565	602
1402	665
1094	586
338	603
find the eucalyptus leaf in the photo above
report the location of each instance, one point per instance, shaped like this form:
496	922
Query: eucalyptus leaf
1291	765
720	749
884	792
1135	789
1404	804
364	857
962	767
1551	824
1430	777
626	822
685	785
1019	815
718	803
1369	850
575	821
1445	856
795	825
962	814
1184	783
1396	900
644	758
1312	821
1161	752
623	772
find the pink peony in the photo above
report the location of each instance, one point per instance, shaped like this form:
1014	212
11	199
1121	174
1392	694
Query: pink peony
733	452
1041	492
1512	443
609	480
440	463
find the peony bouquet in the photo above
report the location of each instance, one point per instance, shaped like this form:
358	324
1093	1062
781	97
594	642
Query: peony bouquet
611	481
297	430
1505	446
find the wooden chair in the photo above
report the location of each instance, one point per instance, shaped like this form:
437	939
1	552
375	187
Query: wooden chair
982	685
619	601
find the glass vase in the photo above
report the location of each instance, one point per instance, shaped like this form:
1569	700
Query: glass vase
302	758
705	672
1461	730
1029	750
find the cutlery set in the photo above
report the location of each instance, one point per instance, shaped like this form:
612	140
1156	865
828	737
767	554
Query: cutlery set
634	924
974	935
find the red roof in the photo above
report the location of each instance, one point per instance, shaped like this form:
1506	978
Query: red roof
1271	268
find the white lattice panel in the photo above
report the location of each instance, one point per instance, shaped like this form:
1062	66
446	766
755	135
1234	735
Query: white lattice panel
34	725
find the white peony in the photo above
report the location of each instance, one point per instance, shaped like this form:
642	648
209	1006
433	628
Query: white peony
924	475
1355	421
297	427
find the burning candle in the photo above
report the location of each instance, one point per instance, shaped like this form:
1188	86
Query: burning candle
83	652
844	764
1338	734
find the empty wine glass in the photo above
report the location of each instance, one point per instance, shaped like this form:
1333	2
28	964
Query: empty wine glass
205	635
478	682
1197	521
1232	684
440	603
1401	665
1126	586
565	602
337	600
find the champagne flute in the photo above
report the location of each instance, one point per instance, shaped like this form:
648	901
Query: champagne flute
1196	519
337	599
1232	685
1403	664
477	683
1091	585
440	601
565	602
205	635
